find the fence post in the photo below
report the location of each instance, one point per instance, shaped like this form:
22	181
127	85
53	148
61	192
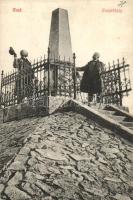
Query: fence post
2	74
119	76
49	92
74	75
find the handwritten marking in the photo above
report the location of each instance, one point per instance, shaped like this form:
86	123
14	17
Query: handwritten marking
17	9
111	10
122	3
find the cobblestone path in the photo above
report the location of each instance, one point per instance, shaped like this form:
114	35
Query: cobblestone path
68	157
12	135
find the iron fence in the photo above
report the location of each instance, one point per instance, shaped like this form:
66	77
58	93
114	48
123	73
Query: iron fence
116	82
59	78
46	77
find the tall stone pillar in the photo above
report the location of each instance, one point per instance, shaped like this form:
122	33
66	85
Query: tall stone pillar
60	39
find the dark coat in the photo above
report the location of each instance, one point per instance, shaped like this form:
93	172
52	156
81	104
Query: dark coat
24	79
91	81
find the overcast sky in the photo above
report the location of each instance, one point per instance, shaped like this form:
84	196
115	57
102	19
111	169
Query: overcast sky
109	33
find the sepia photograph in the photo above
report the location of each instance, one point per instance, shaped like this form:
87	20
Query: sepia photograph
66	110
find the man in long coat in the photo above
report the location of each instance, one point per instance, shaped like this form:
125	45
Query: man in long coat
91	81
24	81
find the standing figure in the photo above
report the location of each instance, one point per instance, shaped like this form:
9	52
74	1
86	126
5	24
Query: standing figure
91	82
24	79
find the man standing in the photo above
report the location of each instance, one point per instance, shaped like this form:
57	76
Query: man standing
24	80
91	81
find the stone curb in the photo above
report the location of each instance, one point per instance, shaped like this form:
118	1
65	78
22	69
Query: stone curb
122	112
102	119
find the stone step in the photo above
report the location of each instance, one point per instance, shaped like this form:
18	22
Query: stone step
120	112
117	118
98	106
127	124
128	119
111	114
117	107
114	114
107	112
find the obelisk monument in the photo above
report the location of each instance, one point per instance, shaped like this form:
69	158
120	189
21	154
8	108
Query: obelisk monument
60	39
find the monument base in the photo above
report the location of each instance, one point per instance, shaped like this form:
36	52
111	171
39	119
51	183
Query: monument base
40	107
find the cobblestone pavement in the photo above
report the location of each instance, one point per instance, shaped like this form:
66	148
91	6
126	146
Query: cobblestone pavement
11	137
68	157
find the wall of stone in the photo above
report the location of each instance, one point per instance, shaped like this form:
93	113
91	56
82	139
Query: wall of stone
26	110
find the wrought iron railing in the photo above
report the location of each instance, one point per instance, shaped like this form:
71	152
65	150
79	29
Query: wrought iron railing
59	78
46	77
116	82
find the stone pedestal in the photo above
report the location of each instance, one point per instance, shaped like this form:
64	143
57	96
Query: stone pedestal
43	106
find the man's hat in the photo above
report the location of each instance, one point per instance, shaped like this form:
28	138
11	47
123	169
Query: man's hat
96	54
24	53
